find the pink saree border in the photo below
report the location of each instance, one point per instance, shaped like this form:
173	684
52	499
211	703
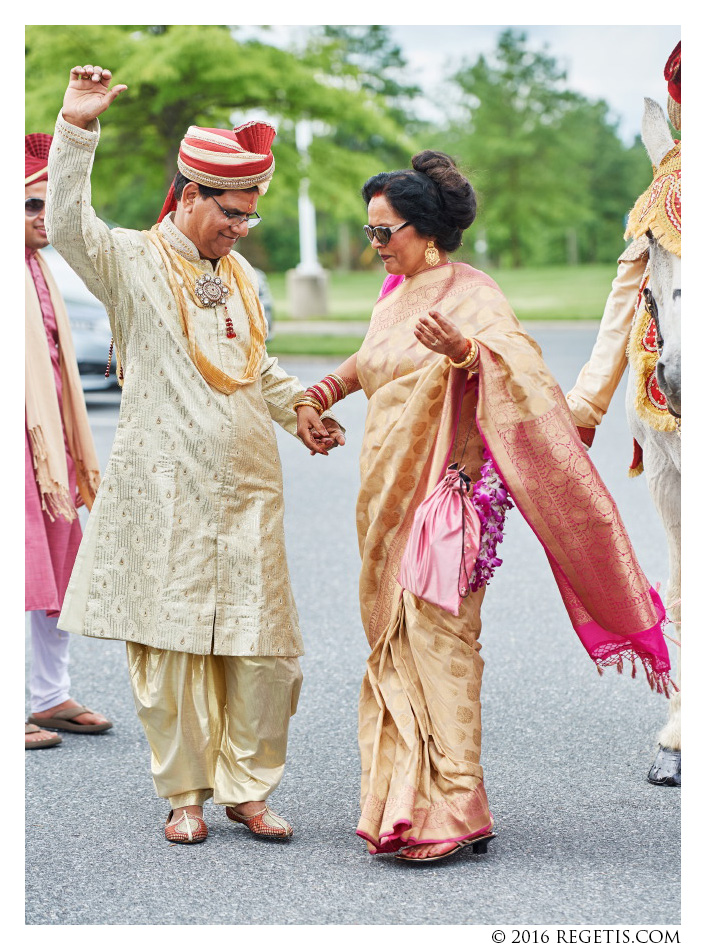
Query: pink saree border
392	841
603	646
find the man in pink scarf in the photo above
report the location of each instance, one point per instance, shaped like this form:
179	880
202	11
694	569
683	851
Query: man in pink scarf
61	471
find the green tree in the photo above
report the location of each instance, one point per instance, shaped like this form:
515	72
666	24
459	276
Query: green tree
364	58
605	177
373	59
203	75
548	164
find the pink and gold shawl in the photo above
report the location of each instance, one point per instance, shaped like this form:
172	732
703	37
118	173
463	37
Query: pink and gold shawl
527	428
43	415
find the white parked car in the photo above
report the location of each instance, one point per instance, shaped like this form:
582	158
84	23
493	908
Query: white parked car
90	327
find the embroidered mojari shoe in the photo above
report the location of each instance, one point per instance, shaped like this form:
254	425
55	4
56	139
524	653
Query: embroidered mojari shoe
189	829
264	824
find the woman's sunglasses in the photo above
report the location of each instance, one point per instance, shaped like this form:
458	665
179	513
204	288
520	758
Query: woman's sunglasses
33	206
382	234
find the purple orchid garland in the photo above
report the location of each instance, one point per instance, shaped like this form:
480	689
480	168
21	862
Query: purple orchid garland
491	500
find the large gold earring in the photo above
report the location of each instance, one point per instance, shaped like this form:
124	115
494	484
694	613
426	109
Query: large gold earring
431	255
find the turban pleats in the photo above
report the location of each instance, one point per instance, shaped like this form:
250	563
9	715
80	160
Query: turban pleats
37	145
225	159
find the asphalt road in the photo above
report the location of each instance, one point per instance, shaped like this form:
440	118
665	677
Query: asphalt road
582	837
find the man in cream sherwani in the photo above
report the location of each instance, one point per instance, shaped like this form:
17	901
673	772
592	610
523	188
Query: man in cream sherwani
183	555
593	391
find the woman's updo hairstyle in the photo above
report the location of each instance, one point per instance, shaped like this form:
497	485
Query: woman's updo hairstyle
434	197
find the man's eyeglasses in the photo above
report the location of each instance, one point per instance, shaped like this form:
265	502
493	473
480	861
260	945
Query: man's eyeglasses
33	206
237	217
383	234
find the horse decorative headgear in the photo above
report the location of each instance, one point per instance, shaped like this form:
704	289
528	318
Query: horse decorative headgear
672	73
659	208
230	160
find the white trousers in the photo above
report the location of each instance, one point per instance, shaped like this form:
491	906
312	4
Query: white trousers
49	682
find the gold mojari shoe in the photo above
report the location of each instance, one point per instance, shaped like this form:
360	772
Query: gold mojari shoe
264	824
189	829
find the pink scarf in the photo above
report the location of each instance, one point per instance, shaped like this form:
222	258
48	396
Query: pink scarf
528	431
614	610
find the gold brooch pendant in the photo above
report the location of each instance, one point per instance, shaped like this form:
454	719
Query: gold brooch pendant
211	291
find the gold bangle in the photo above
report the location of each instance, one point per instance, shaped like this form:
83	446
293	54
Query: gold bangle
341	383
309	401
469	358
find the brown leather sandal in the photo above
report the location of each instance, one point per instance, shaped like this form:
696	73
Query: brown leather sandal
63	719
264	824
39	743
188	829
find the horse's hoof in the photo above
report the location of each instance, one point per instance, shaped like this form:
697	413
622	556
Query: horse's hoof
666	768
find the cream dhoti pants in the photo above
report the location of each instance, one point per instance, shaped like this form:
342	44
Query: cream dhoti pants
217	725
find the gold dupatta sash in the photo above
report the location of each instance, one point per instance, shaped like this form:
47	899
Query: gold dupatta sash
232	273
527	427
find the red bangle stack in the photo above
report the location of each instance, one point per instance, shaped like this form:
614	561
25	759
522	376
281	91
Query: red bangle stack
330	390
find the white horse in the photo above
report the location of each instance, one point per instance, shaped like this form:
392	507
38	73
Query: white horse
662	450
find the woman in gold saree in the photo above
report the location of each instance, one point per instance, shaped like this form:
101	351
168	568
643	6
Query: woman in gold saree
442	336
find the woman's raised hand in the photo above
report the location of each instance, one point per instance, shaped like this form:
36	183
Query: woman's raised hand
88	94
440	335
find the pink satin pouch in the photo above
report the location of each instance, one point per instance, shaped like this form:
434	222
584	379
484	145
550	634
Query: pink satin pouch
443	544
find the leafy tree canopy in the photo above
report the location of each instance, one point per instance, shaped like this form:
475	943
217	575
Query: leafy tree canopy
548	164
205	75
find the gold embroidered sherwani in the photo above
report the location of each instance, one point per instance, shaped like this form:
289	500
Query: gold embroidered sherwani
183	555
184	549
591	395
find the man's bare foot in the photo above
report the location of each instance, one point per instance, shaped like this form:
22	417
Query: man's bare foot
85	719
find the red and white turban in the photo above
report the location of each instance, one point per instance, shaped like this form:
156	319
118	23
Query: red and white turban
37	146
219	158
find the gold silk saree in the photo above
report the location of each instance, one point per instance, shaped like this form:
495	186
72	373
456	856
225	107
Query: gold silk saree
419	713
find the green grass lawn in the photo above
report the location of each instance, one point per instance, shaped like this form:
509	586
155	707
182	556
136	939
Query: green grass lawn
542	293
309	344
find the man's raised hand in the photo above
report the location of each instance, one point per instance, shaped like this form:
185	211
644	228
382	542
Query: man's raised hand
88	94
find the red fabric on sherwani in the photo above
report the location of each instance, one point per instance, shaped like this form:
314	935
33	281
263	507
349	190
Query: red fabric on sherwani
50	546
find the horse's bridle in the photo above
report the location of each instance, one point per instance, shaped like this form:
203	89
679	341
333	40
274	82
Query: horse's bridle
653	310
